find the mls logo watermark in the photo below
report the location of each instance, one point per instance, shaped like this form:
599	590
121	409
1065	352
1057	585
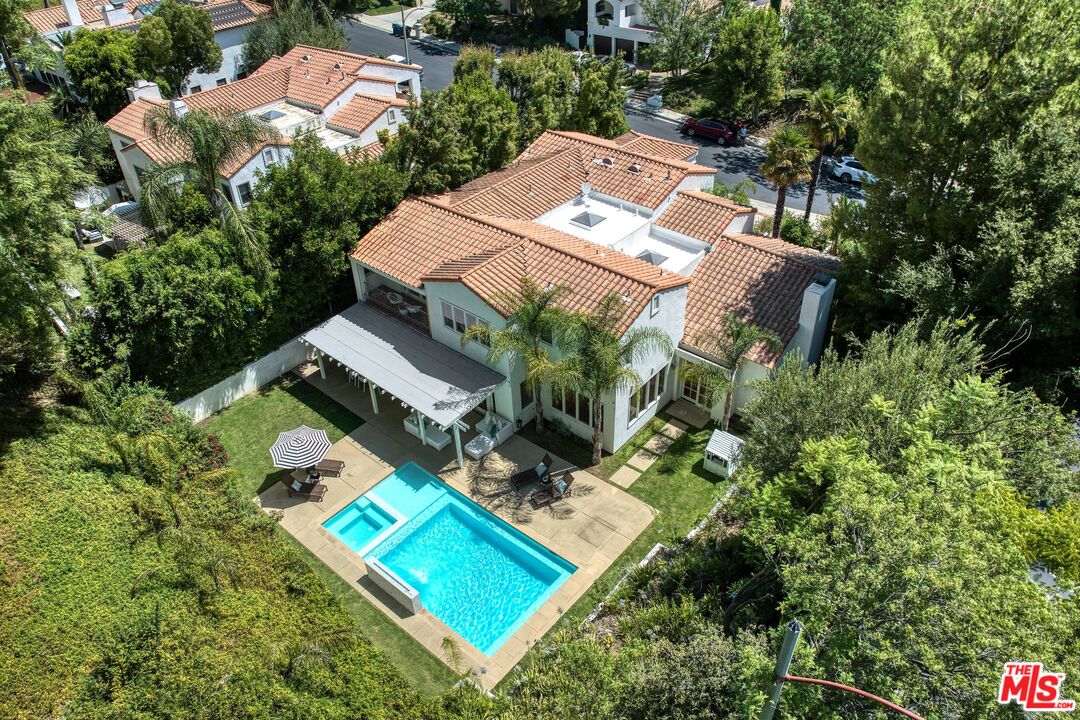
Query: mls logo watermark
1034	689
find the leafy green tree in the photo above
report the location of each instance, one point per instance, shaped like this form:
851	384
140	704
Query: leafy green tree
205	141
825	120
788	155
181	314
14	30
38	175
102	64
840	42
311	211
731	345
300	23
684	31
192	46
543	86
599	359
454	135
965	97
549	12
467	17
598	108
475	59
532	315
748	65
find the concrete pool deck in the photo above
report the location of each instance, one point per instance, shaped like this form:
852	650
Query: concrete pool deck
590	529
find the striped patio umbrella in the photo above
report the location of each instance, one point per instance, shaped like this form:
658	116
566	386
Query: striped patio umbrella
300	448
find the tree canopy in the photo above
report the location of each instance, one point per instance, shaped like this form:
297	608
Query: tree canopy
748	70
299	23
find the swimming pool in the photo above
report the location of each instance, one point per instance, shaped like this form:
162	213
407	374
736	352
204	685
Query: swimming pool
475	572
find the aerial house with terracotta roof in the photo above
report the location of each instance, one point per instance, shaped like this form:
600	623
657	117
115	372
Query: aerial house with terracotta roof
342	98
629	216
230	19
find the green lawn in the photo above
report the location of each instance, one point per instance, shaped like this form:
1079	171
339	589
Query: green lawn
251	425
384	10
579	452
676	486
247	429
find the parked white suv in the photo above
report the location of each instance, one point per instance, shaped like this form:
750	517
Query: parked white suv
849	169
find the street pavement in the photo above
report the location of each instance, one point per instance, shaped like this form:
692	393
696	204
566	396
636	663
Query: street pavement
732	164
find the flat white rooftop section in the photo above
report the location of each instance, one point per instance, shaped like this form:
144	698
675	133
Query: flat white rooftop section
333	139
285	117
668	255
609	224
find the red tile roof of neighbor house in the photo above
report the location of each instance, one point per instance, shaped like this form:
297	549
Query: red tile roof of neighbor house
425	239
307	75
224	14
657	147
701	215
760	279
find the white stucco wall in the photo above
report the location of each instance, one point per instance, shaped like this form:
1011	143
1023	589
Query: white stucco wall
281	154
397	74
231	42
129	159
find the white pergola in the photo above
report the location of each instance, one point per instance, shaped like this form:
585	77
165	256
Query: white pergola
440	386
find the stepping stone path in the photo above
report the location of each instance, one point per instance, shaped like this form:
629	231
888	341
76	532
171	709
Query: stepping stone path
644	458
625	476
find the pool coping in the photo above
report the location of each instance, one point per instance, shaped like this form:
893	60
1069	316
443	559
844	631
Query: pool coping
567	529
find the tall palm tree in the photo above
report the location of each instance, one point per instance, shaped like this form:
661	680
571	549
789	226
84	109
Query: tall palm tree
828	115
787	161
203	142
730	344
532	317
600	358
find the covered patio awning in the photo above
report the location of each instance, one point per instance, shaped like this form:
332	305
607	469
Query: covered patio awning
439	383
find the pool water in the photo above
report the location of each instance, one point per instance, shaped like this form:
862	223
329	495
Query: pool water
475	572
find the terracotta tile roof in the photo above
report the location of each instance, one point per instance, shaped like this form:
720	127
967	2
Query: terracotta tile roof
129	121
810	256
259	88
359	113
240	159
612	170
424	239
656	147
524	190
700	215
224	14
742	275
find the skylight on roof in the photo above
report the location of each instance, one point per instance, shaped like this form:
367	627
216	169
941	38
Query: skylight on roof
272	115
587	219
652	257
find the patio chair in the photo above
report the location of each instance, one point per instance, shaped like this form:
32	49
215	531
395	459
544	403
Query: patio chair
532	474
313	490
558	489
331	468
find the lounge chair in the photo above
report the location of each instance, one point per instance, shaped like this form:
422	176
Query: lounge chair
558	489
531	475
313	490
330	467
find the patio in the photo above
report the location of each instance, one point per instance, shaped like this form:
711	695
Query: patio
591	528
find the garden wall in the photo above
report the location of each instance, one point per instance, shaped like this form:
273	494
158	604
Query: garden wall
252	377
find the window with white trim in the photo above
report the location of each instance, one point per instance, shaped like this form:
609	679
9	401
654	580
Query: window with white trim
244	191
194	89
655	306
646	395
458	320
391	116
268	155
222	81
575	405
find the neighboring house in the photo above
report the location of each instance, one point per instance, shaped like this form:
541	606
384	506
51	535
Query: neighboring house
344	99
230	19
615	26
601	216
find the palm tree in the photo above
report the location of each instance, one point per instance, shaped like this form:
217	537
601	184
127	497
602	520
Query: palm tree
203	142
730	344
826	119
599	357
533	316
787	161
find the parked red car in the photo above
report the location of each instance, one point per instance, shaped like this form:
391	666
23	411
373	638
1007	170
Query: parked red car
728	133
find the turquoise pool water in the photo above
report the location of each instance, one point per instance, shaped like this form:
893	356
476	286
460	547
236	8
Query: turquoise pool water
473	571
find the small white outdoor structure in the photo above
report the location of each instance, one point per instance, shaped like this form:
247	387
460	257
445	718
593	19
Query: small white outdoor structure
722	453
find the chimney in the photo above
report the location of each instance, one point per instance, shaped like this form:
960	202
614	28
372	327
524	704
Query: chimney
814	317
71	9
178	107
115	14
585	190
144	89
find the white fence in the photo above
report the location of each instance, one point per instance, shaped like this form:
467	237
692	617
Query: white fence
251	378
